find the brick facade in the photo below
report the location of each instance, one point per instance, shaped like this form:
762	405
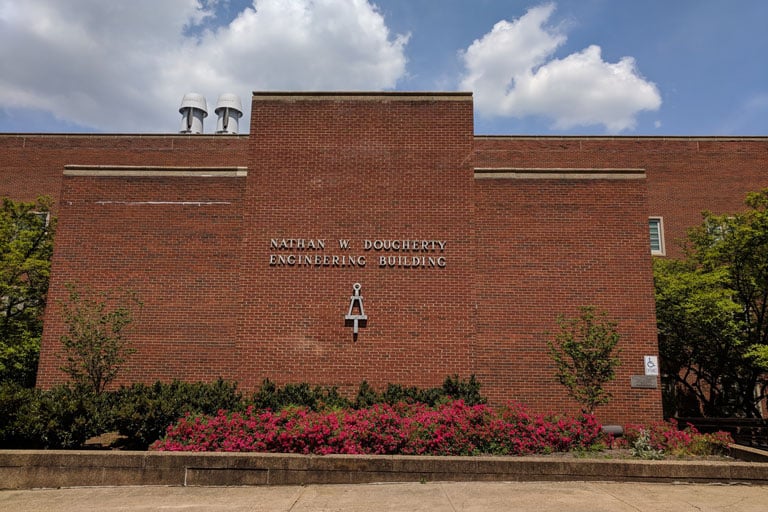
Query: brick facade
234	243
545	247
359	168
32	164
175	241
686	175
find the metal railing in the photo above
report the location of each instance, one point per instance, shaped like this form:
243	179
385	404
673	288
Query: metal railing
745	431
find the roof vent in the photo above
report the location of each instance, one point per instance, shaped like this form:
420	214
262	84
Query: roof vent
230	110
193	110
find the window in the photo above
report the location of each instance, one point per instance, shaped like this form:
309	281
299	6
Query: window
717	230
43	216
656	228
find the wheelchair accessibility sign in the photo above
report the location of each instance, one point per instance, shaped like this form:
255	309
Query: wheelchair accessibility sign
651	365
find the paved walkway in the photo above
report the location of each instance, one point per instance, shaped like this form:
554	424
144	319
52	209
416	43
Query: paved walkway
448	497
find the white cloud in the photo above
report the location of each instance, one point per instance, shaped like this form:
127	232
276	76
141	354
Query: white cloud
512	74
124	66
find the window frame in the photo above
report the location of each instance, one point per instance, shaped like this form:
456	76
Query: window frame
661	251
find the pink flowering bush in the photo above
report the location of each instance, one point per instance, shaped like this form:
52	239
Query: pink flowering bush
666	438
454	428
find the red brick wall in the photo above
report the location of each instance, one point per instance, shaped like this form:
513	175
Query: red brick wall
32	164
545	247
173	240
373	167
358	167
685	175
94	239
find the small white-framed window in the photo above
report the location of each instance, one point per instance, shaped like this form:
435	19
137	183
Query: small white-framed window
656	231
718	230
44	216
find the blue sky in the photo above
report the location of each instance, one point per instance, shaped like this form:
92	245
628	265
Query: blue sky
587	67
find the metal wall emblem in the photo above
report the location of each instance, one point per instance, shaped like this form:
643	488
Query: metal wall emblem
356	316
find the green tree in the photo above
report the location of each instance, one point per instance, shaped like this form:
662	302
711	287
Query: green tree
700	340
585	354
26	247
94	343
712	313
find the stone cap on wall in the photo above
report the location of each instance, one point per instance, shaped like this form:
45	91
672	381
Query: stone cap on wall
361	96
27	469
152	171
558	174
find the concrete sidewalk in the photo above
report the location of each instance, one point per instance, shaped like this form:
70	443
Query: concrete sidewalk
448	496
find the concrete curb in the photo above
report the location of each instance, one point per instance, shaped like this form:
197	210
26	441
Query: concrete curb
748	454
28	469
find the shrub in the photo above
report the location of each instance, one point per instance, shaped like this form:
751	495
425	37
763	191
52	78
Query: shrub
643	449
468	390
585	354
366	396
64	417
94	342
15	401
664	438
142	413
71	414
269	396
454	388
453	428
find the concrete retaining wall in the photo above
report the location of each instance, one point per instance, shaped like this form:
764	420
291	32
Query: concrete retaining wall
45	469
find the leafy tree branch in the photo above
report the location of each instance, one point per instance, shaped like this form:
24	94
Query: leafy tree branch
26	247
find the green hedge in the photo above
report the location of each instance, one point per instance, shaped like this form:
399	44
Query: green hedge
67	416
317	398
64	417
141	413
454	388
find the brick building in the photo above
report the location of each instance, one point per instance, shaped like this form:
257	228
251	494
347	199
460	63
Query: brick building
245	248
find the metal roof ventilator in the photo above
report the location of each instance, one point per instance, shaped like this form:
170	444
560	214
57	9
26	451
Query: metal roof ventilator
193	110
230	110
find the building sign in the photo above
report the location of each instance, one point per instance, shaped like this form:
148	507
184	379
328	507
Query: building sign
651	364
405	253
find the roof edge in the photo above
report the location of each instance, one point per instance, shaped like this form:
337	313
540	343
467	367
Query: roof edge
760	138
360	96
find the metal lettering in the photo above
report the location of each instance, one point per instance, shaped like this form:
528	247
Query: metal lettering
295	253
